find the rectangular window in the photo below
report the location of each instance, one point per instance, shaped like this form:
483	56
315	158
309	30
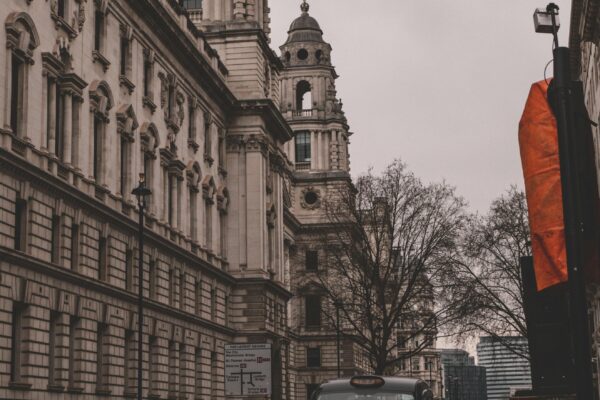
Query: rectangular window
192	121
20	224
129	269
198	373
130	358
183	368
152	280
172	288
313	357
213	304
16	358
182	290
208	224
102	259
124	167
98	28
52	346
415	364
124	55
59	128
172	189
312	260
193	213
56	239
213	369
97	147
60	8
149	177
192	4
152	362
207	142
15	94
101	364
172	369
147	77
199	297
75	247
74	323
303	147
313	311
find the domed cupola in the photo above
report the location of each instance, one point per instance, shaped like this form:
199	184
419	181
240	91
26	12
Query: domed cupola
305	44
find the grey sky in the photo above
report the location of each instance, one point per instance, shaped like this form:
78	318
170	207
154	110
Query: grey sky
439	84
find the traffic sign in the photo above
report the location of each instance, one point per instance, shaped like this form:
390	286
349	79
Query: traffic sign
248	369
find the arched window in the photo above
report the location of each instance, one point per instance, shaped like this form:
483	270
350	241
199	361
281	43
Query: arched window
303	96
21	39
126	125
101	101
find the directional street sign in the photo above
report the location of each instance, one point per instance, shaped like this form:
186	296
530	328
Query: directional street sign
248	369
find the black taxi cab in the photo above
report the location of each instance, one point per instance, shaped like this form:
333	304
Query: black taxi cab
372	387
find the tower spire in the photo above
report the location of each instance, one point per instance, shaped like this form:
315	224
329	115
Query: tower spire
304	6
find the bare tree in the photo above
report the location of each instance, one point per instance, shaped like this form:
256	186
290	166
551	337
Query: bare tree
393	240
487	282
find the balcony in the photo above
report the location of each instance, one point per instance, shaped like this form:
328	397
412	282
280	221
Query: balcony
302	113
195	15
302	166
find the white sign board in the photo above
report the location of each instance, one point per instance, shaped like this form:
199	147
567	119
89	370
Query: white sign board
247	369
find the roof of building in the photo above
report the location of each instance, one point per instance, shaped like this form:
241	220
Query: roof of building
305	28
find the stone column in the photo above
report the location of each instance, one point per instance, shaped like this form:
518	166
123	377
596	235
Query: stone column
76	131
104	155
178	204
8	86
326	139
173	189
67	127
313	153
44	99
52	116
165	195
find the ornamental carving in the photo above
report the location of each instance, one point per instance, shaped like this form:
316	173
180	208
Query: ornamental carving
180	100
310	198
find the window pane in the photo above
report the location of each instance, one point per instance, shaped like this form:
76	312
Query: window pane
303	147
312	261
192	4
313	357
313	311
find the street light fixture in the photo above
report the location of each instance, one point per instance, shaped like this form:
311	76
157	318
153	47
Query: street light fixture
337	305
140	192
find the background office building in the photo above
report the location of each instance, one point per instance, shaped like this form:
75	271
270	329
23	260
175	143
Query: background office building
506	370
463	380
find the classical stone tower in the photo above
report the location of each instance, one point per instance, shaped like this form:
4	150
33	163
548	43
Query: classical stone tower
318	153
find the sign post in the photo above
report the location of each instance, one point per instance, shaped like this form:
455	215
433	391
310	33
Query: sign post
248	370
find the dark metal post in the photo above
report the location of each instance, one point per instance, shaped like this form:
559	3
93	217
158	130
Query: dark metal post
140	192
559	97
337	323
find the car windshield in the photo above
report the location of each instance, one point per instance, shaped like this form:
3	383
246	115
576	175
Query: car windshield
365	396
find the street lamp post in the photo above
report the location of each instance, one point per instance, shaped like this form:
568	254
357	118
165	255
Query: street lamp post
337	305
140	193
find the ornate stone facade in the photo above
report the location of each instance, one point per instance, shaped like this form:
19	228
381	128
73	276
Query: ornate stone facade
95	92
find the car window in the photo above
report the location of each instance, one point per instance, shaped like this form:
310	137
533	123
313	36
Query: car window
361	396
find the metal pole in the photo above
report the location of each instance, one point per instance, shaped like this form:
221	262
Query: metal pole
337	314
141	205
563	110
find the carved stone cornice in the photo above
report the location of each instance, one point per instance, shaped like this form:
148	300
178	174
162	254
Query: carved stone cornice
74	83
273	118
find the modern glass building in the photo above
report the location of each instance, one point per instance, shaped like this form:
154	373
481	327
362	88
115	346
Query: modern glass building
463	380
506	370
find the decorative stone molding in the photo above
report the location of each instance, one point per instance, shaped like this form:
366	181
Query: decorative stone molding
101	99
180	100
150	140
194	174
310	198
126	121
209	189
222	199
21	35
271	215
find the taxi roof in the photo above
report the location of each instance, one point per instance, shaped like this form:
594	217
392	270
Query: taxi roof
392	383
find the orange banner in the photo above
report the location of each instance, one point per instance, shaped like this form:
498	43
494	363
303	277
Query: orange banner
538	141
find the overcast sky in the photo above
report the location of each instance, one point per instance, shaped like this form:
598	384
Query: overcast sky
439	84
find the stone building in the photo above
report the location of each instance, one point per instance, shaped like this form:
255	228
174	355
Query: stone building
584	42
190	94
